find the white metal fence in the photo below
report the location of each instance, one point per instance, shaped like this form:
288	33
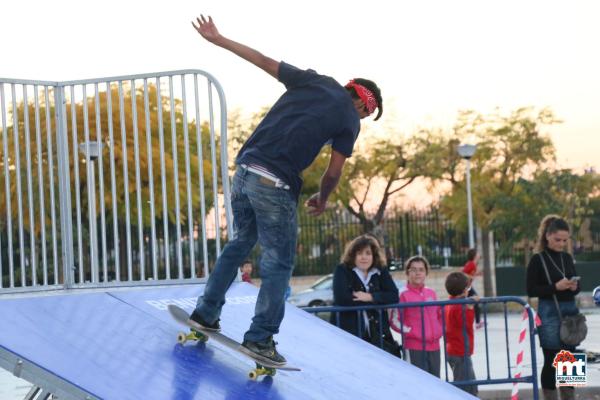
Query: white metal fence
111	181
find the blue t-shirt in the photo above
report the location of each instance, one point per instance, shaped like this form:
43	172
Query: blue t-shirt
315	110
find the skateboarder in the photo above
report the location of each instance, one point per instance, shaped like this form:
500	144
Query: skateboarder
314	110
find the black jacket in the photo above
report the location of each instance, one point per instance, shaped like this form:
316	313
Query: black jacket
537	281
381	287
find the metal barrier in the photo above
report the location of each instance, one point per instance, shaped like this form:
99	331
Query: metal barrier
112	181
484	302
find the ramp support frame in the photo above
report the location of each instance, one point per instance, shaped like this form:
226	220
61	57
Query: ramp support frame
45	383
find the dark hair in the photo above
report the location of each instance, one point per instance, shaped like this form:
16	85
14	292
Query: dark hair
359	244
373	88
550	223
246	262
471	254
456	283
415	259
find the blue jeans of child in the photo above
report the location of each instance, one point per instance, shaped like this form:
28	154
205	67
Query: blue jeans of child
265	214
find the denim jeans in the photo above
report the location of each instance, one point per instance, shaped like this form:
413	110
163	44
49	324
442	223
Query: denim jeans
267	215
549	330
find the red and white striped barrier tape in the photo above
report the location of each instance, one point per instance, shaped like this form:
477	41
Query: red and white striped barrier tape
521	348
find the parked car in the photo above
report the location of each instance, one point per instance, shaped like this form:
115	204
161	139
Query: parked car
320	293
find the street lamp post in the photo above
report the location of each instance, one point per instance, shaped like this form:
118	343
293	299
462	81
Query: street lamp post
466	151
92	150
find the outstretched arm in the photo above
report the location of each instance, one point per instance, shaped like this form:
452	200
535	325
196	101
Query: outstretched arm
208	30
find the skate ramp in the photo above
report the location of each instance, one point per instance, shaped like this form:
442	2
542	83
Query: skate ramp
122	345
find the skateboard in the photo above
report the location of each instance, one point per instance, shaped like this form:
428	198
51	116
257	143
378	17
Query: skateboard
197	333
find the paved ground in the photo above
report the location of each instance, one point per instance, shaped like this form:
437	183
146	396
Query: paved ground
498	363
12	388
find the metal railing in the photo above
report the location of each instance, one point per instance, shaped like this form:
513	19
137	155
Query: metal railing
484	303
112	181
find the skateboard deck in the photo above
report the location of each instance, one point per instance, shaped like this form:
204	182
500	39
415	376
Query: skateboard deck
263	365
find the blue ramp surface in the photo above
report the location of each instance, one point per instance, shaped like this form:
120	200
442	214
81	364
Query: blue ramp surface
122	345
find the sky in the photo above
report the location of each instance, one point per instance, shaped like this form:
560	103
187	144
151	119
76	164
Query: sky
430	58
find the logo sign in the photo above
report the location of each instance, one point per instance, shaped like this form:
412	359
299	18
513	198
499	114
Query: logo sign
570	369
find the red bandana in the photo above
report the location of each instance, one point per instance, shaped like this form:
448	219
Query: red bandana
365	95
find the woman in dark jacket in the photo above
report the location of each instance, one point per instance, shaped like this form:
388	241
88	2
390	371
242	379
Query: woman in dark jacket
362	279
553	236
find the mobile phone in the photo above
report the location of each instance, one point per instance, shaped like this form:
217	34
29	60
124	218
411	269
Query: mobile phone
574	278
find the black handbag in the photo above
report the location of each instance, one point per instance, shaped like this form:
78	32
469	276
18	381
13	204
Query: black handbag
392	347
387	342
573	328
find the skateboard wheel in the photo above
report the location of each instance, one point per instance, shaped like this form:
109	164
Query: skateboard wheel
181	338
253	375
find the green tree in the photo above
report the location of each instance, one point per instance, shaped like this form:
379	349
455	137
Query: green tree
549	191
510	147
116	153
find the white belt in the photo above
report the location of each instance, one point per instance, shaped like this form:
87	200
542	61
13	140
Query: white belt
265	173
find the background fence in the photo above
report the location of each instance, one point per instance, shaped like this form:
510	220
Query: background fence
321	241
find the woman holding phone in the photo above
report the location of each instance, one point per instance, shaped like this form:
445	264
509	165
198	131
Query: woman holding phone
551	272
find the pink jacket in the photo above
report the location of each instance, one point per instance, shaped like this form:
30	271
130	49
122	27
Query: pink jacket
412	332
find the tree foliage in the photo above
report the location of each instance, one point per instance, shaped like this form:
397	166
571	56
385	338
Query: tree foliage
377	171
509	148
561	192
515	182
118	152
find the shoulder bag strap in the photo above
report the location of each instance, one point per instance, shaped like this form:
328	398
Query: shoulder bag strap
550	281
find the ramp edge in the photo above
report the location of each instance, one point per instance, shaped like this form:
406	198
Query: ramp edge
42	378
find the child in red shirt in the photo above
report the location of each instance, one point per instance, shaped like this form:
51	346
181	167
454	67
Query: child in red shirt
459	320
246	270
470	268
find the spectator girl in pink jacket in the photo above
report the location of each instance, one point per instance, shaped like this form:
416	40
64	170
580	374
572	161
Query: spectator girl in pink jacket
423	343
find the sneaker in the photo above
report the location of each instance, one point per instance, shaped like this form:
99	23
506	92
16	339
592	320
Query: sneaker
264	350
214	327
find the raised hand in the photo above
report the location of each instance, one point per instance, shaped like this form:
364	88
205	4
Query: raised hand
207	29
563	284
315	205
573	285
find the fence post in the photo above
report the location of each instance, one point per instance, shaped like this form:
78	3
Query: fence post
64	184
